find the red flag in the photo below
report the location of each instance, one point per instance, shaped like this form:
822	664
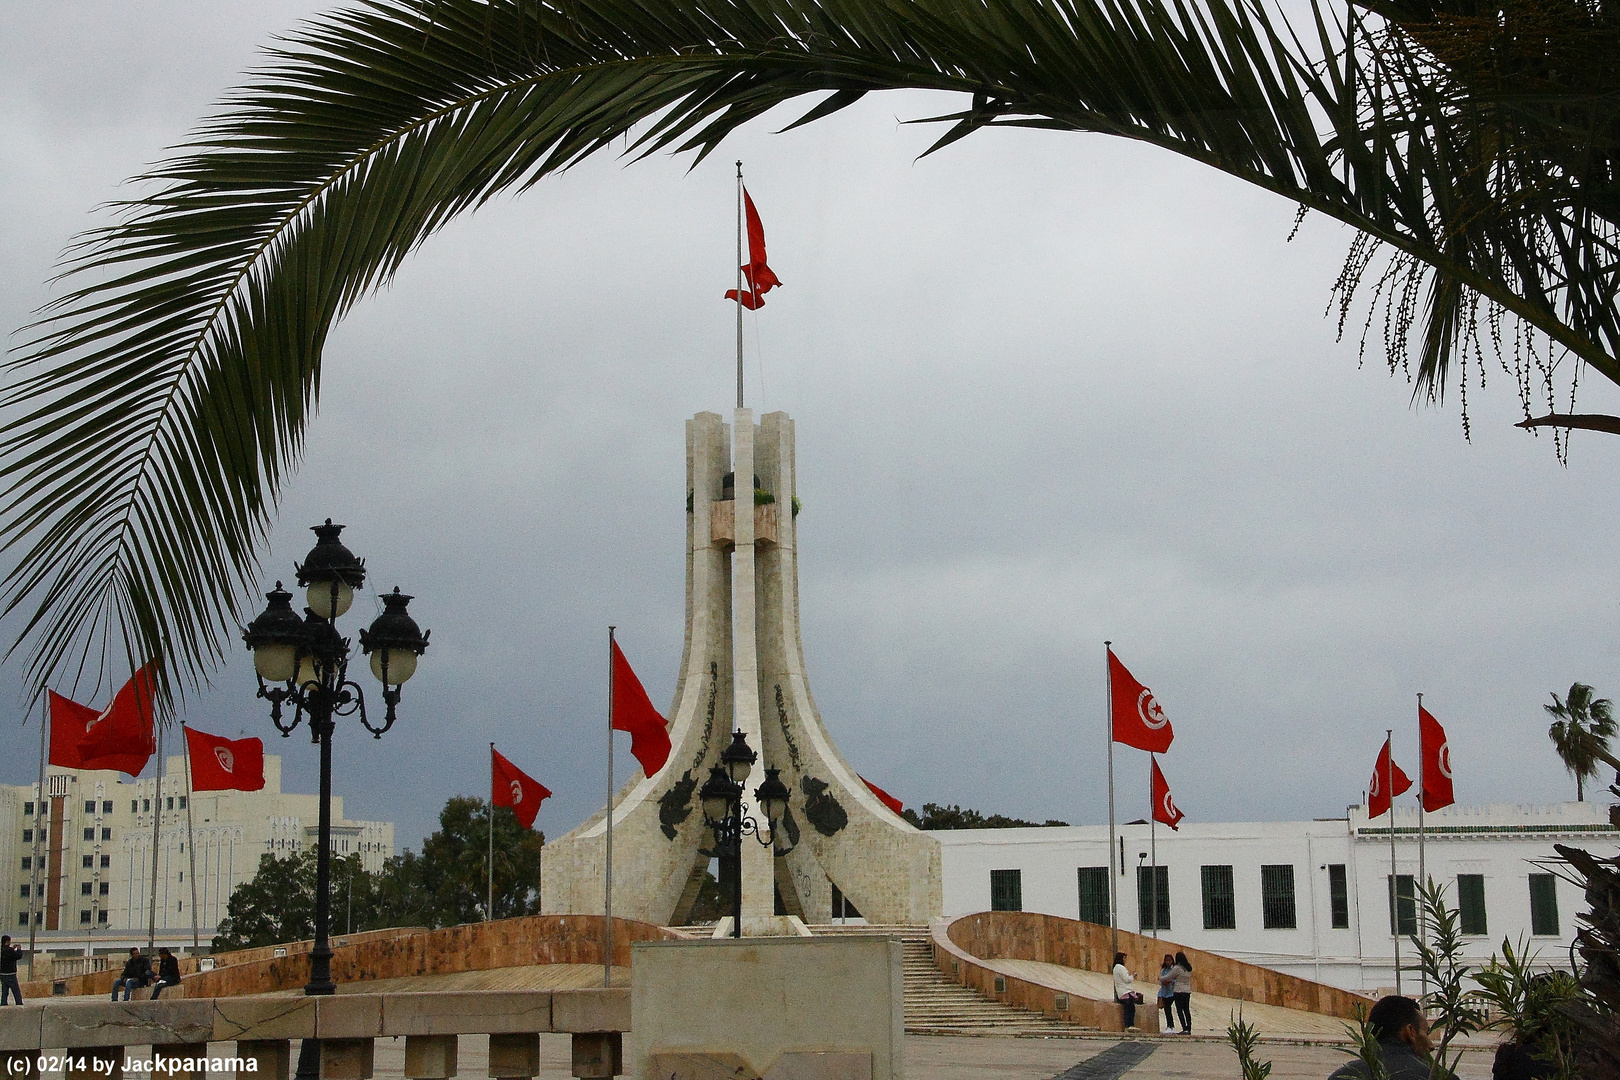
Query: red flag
1435	753
1138	719
511	786
759	276
1164	807
884	797
633	712
118	737
221	764
1378	799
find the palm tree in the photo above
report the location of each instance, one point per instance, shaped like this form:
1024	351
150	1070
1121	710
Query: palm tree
158	403
1580	732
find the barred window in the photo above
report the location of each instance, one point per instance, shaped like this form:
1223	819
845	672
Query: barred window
1339	896
1094	895
1220	898
1153	898
1277	898
1471	903
1006	890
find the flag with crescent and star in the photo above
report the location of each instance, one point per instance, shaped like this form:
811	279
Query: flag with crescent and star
1435	753
1165	810
1378	795
220	764
1138	720
510	786
119	737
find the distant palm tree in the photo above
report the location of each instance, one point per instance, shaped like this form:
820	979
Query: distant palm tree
1581	733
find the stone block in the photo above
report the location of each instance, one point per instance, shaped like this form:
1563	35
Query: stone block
350	1016
516	1056
99	1063
21	1064
598	1055
263	1019
430	1057
347	1059
591	1010
20	1027
792	1065
700	1067
273	1057
171	1061
76	1023
467	1012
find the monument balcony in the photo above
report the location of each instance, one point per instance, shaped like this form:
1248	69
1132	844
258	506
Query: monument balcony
723	524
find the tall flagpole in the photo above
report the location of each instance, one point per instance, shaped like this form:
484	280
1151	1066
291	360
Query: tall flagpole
1423	876
607	904
489	905
157	820
1113	872
739	286
39	839
191	847
1394	890
1153	846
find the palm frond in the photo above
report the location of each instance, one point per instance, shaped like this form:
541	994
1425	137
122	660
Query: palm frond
158	405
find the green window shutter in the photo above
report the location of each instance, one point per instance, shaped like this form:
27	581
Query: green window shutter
1220	900
1151	887
1471	903
1339	896
1544	905
1403	906
1006	890
1094	895
1277	898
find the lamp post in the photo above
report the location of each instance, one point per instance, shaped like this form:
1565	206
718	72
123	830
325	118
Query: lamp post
721	799
304	662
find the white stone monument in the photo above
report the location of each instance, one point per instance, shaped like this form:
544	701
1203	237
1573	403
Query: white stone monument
743	668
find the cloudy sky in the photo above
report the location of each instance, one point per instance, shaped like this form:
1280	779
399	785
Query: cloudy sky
1049	389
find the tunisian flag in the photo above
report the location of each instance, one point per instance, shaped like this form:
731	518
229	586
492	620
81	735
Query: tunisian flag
220	764
1378	797
884	797
1164	807
759	276
1435	752
633	712
118	737
511	786
1138	720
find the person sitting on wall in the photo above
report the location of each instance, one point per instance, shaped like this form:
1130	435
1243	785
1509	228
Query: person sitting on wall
1125	991
1403	1041
168	972
137	972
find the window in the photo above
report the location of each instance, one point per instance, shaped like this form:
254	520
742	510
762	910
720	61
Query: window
25	890
1220	904
103	889
28	862
1277	898
1544	905
84	917
106	834
84	888
1094	895
89	861
22	918
1153	891
134	806
101	918
1339	896
106	806
89	806
1006	890
28	809
28	836
146	806
106	861
170	805
90	834
1471	903
1402	905
182	802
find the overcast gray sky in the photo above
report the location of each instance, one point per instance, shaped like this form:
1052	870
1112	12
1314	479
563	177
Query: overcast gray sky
1049	388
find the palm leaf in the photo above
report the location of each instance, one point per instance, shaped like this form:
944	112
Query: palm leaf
158	404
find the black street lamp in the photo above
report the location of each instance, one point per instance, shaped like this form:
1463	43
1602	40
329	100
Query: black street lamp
305	662
721	799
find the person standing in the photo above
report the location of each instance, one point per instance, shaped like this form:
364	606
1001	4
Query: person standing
137	972
9	987
1183	989
1167	992
168	972
1125	991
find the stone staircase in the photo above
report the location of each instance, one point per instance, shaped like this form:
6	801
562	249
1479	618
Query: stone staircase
936	1005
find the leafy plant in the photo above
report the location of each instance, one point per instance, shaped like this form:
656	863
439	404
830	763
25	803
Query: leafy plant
1244	1038
1529	1004
763	497
1580	732
1451	1007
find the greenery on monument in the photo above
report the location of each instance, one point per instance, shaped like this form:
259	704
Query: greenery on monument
446	885
158	404
935	816
1581	729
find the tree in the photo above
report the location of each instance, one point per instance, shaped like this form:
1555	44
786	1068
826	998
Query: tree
1580	732
159	402
935	816
448	884
275	907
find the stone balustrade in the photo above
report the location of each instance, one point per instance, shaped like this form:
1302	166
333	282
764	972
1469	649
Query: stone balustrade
91	1036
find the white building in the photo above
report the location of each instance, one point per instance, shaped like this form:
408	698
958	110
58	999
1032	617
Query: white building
88	882
1310	898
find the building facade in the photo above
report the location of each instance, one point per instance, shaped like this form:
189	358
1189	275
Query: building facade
1310	898
86	877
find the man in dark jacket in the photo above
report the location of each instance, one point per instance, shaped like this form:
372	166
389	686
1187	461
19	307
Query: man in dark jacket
168	972
1403	1041
9	988
137	972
